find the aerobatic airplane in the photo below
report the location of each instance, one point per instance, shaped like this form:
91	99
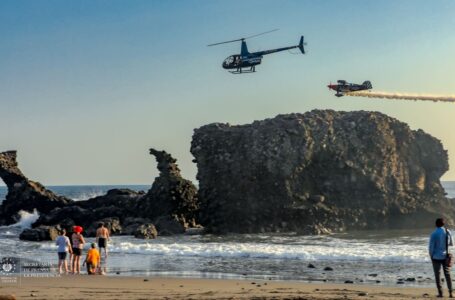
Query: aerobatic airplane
345	87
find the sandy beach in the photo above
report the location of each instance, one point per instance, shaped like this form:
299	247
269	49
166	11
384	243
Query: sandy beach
100	287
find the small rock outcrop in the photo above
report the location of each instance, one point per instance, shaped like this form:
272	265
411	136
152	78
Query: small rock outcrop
23	194
40	233
171	195
167	225
130	224
319	172
146	231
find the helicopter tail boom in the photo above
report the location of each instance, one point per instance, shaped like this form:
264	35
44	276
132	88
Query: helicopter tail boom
265	52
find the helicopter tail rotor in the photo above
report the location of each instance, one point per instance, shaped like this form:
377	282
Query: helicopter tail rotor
301	44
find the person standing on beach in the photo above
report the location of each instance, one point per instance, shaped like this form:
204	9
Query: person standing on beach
102	237
440	240
63	243
78	245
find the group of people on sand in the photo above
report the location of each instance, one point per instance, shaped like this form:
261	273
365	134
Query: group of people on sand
74	246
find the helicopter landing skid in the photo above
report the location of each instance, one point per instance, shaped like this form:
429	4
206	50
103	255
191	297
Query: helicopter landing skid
241	71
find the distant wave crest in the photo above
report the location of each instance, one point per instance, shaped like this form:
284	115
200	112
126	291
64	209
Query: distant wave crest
88	195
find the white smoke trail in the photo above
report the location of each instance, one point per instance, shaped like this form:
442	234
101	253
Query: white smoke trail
399	96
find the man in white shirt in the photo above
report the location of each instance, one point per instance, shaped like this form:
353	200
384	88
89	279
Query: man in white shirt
64	246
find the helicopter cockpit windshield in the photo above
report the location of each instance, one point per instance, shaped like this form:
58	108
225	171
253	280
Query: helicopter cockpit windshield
231	62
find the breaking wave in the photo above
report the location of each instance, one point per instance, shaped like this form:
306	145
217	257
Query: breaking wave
266	251
26	220
331	249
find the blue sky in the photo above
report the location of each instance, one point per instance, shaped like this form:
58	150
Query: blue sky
86	87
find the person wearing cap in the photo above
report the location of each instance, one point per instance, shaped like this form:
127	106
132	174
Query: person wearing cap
78	245
92	260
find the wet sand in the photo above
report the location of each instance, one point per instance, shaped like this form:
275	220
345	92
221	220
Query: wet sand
113	287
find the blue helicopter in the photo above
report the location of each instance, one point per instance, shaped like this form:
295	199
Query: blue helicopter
249	60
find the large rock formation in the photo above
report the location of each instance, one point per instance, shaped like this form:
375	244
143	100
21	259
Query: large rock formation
23	194
171	203
318	172
170	195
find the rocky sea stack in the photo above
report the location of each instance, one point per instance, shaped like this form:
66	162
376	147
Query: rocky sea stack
319	172
170	195
23	194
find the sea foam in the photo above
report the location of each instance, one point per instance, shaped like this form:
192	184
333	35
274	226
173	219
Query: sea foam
328	250
26	220
273	251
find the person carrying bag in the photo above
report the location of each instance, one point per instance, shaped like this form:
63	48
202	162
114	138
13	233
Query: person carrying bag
440	240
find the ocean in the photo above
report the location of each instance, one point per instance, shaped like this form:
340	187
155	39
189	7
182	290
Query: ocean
378	257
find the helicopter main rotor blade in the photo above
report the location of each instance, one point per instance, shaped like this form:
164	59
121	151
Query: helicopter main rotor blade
242	39
226	42
252	36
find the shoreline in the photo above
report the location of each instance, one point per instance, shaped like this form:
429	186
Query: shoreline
280	258
142	287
